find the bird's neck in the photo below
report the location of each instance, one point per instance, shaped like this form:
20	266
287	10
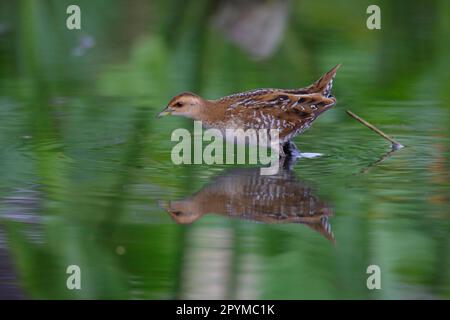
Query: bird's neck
209	112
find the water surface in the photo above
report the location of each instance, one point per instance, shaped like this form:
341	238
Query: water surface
87	178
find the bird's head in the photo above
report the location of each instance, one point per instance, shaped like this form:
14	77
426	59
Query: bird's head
185	104
182	211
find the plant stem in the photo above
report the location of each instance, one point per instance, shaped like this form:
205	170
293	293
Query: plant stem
395	145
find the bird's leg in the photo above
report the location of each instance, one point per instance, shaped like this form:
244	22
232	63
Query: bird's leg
281	152
288	155
288	162
290	149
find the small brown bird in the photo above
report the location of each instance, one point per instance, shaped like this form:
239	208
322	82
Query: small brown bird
291	111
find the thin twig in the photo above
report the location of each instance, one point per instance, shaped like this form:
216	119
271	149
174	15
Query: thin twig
395	145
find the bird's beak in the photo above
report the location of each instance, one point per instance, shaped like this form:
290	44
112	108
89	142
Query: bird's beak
165	112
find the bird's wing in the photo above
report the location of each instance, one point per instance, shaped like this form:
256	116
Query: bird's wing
289	113
273	108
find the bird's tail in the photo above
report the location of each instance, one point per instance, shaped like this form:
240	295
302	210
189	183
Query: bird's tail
325	83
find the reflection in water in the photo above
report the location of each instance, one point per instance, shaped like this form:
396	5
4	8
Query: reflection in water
385	156
245	194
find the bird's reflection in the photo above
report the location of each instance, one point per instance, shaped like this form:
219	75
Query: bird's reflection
245	194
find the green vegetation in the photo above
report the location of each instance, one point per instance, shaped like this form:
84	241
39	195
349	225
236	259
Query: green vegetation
84	161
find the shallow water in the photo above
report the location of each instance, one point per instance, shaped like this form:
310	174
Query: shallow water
87	178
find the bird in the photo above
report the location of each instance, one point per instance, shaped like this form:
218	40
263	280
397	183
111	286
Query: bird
246	195
291	111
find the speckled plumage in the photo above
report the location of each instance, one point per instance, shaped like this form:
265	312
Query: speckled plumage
292	111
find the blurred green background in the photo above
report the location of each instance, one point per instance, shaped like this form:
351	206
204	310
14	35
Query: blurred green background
84	161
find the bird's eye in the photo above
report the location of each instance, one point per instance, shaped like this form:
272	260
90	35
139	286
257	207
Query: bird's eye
178	105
